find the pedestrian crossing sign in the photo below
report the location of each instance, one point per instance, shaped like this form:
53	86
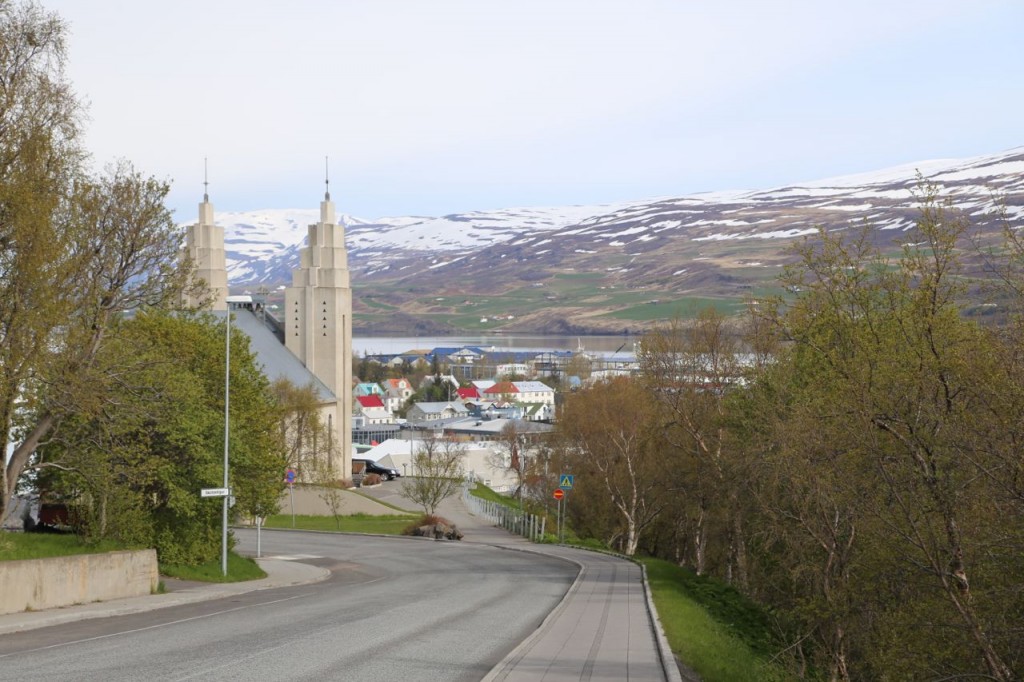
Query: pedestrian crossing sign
565	481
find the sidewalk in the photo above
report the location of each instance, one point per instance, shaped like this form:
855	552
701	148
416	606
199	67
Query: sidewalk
280	573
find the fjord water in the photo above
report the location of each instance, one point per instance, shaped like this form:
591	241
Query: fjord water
596	345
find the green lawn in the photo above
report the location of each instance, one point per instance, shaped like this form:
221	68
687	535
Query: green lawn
684	308
392	524
239	569
15	546
485	493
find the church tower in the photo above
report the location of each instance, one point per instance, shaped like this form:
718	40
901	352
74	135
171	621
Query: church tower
204	243
318	320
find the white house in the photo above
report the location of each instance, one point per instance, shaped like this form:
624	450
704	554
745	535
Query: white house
396	393
426	413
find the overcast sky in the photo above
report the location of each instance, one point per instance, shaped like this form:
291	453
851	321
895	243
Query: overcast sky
428	107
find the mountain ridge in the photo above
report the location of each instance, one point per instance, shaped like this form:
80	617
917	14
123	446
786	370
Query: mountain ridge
477	271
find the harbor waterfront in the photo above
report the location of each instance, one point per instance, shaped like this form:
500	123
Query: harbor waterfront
618	346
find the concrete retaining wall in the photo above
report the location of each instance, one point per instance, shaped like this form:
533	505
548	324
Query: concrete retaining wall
36	584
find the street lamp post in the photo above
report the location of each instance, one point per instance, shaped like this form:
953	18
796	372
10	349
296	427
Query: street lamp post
227	392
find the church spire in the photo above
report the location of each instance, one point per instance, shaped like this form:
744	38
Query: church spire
327	206
327	180
206	182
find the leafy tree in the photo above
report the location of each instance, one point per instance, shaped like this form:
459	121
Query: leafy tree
40	155
77	249
124	247
806	512
133	470
303	435
308	444
904	388
439	389
689	370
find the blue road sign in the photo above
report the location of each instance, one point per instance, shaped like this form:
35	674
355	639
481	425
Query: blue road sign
565	481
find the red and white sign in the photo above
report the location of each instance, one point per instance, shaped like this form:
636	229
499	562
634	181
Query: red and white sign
559	493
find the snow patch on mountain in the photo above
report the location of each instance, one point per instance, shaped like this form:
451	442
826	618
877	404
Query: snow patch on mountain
263	246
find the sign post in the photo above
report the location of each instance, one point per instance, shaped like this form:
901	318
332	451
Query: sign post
559	494
289	478
259	545
565	484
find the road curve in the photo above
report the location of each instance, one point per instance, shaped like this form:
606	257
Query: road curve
493	607
604	629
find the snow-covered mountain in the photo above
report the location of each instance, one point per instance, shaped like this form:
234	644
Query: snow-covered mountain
665	236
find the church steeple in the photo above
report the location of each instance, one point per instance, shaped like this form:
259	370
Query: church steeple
318	315
204	242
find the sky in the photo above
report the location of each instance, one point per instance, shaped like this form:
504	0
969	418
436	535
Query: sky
432	107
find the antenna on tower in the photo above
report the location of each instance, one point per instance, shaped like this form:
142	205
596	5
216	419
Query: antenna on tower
206	182
327	180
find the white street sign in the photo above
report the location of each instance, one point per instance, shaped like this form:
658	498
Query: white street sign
215	492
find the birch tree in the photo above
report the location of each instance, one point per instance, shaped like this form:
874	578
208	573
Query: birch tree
909	380
610	442
439	466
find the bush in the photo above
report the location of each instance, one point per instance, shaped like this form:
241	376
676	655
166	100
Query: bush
371	479
426	520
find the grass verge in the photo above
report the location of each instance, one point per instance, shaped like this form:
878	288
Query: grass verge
711	627
485	493
391	524
14	546
240	568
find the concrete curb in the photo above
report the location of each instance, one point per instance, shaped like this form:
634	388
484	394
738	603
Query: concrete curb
668	659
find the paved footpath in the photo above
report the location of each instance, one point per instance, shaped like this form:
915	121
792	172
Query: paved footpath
606	627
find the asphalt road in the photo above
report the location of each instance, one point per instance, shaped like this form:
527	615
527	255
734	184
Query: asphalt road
393	609
493	607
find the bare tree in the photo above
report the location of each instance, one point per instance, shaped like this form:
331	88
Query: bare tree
438	465
608	439
690	369
514	452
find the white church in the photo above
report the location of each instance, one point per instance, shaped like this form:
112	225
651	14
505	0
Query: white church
313	345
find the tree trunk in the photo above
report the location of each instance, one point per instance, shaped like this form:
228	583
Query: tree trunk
19	458
739	548
838	669
700	543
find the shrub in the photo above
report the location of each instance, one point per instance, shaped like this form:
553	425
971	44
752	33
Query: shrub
426	520
371	479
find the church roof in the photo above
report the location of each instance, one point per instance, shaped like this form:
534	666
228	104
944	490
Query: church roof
276	359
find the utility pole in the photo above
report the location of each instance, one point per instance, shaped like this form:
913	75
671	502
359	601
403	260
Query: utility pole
227	393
